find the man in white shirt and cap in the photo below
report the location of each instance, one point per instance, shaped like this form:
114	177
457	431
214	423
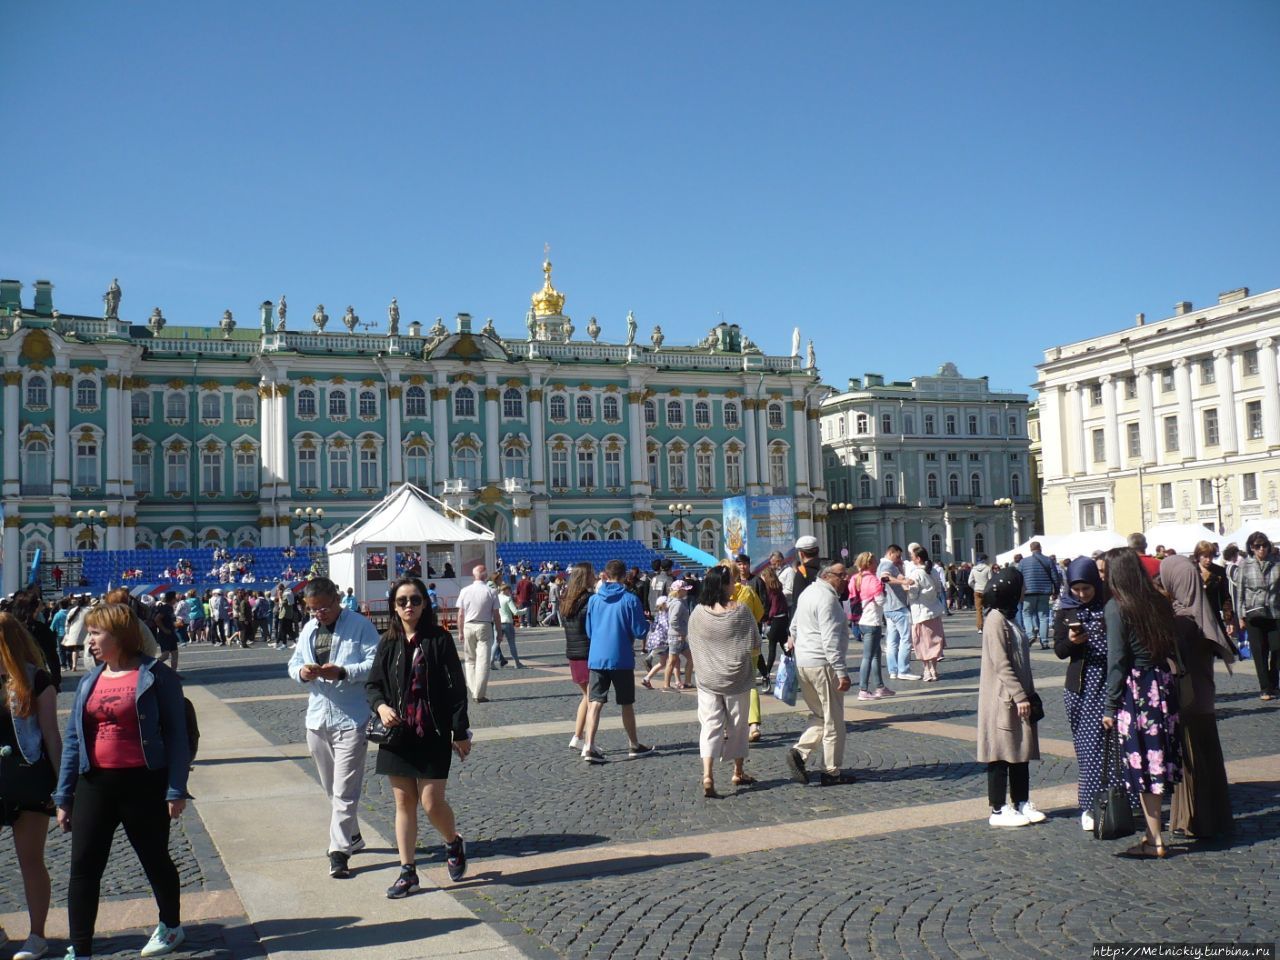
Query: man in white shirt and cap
477	616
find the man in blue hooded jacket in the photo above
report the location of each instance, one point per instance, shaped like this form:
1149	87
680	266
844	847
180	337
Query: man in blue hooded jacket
615	620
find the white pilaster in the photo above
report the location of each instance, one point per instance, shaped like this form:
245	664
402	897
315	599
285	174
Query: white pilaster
1146	415
762	441
113	439
1271	391
395	434
1224	374
61	536
1110	426
12	568
815	455
440	429
12	384
282	445
492	465
1075	429
1053	452
61	433
537	440
125	421
637	438
752	454
800	428
1186	415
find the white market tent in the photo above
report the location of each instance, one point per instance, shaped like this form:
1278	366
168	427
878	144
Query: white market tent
1067	545
409	526
1239	537
1182	537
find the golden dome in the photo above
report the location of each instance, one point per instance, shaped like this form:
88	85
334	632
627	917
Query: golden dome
548	302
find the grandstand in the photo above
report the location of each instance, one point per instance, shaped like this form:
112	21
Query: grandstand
104	568
565	553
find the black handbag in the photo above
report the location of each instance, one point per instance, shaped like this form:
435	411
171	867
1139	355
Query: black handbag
375	731
1112	814
1037	707
26	785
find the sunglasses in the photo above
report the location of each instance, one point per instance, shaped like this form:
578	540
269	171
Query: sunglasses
413	601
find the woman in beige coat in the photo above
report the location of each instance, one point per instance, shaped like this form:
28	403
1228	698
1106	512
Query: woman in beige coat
1007	739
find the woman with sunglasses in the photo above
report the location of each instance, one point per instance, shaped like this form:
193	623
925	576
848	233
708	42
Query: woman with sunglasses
1258	584
417	688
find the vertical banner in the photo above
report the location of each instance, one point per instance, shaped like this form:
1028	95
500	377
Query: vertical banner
757	526
734	523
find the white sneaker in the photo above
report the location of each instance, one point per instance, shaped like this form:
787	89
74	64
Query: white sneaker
893	676
34	948
1008	817
577	743
164	940
908	676
1086	822
1033	813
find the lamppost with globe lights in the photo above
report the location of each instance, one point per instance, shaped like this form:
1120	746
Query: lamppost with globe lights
91	517
841	513
1013	517
679	511
312	517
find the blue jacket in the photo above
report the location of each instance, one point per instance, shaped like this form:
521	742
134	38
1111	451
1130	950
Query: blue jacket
27	729
162	724
1039	573
615	619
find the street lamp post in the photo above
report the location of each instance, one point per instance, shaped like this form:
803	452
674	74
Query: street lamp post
91	517
680	511
1013	518
841	511
1219	482
312	517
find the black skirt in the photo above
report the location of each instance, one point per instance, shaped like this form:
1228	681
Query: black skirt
420	758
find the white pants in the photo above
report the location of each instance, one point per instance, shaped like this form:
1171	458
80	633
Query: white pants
477	654
723	722
339	757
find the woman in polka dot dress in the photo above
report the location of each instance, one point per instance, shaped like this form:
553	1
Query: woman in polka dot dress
1080	635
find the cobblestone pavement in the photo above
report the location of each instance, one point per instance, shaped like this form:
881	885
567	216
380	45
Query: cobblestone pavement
902	889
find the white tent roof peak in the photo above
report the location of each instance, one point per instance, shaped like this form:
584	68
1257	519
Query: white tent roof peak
410	515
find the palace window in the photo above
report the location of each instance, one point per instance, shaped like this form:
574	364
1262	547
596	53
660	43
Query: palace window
654	478
1253	419
339	468
676	470
1166	496
1251	362
86	393
1015	485
417	465
558	466
211	407
175	478
337	404
211	472
1206	492
370	474
975	486
512	404
37	391
993	425
1133	439
140	405
1166	380
586	468
733	471
931	486
775	416
307	404
704	469
650	413
466	465
36	473
702	414
886	423
464	402
778	473
1013	426
1095	394
513	463
1248	486
415	402
731	416
1210	427
141	473
1099	446
864	487
558	408
860	423
613	469
890	487
246	409
610	412
972	422
953	485
930	425
583	409
245	480
86	463
675	413
1171	434
308	469
175	407
1093	515
1207	373
951	424
908	424
368	401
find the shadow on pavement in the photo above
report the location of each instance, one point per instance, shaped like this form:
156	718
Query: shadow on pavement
574	871
340	933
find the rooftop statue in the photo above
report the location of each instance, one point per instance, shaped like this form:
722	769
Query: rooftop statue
568	331
437	333
393	319
531	325
811	357
320	318
111	299
657	338
489	330
156	322
749	345
281	309
350	320
795	341
593	329
631	328
227	323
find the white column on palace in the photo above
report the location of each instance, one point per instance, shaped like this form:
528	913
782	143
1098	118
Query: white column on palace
1224	374
1110	426
637	438
1076	463
281	438
537	438
12	579
1054	454
1186	414
395	433
61	433
749	422
1271	391
816	480
800	427
267	420
440	429
61	535
1117	397
1146	415
762	442
492	464
111	383
12	477
125	420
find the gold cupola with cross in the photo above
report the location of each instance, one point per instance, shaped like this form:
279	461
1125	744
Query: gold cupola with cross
546	319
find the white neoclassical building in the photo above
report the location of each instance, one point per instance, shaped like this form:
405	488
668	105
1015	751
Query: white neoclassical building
1169	421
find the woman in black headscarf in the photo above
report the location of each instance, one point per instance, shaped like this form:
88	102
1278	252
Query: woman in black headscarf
1080	636
1007	739
1201	803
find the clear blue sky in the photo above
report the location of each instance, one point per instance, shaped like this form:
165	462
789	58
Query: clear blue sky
907	183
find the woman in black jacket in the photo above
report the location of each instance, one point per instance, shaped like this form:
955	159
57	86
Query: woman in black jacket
417	688
573	617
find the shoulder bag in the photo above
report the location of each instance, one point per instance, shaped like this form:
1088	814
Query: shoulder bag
1112	814
375	731
1033	698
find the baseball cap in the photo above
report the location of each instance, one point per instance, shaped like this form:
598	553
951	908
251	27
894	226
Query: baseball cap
807	543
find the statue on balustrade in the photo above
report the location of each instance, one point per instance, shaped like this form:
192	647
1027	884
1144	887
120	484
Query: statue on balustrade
393	319
811	357
631	328
437	333
568	330
281	309
112	301
531	325
489	330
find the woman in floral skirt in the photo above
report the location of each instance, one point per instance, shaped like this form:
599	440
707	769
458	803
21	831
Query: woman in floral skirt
1142	697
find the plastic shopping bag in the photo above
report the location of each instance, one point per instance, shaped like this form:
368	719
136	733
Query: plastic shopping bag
1246	652
787	681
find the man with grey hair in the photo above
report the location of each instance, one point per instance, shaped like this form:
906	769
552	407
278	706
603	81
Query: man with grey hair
477	617
820	642
332	658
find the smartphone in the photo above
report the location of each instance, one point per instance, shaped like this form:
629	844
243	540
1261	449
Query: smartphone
884	579
1074	625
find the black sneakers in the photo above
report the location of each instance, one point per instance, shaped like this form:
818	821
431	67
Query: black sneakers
405	884
641	750
795	764
836	779
456	855
338	868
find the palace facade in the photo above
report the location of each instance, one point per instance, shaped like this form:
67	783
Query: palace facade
197	435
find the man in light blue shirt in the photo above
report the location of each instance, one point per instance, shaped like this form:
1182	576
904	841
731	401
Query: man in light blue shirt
333	657
897	615
349	600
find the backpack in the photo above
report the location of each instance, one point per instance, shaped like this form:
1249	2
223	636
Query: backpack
193	728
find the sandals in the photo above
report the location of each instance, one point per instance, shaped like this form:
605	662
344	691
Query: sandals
745	780
1146	850
644	682
709	789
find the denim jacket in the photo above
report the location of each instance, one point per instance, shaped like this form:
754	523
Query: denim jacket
162	725
27	729
338	704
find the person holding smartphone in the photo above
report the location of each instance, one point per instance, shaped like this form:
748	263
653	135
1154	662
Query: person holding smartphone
417	685
1080	636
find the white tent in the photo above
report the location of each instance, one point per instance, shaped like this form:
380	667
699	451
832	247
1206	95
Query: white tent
408	527
1067	545
1239	537
1182	537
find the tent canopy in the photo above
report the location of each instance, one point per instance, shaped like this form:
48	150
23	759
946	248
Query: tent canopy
1183	537
409	515
1067	545
1239	537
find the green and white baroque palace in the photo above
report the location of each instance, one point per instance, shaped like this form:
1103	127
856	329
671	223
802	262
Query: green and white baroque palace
207	435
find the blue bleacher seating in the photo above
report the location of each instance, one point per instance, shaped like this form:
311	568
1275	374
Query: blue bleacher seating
103	568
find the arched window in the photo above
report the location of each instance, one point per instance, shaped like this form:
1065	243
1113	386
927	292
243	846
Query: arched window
1015	485
733	470
466	465
864	487
176	472
676	476
860	423
972	423
707	541
368	405
731	416
953	485
211	406
778	467
775	416
36	476
675	413
613	469
558	408
337	404
558	469
307	404
86	462
512	404
37	391
975	485
246	409
562	536
211	472
308	468
244	479
908	423
951	424
140	405
86	393
930	424
650	413
584	409
931	483
615	534
589	535
417	465
609	409
513	463
980	543
935	548
704	469
464	402
175	407
415	402
702	414
890	487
